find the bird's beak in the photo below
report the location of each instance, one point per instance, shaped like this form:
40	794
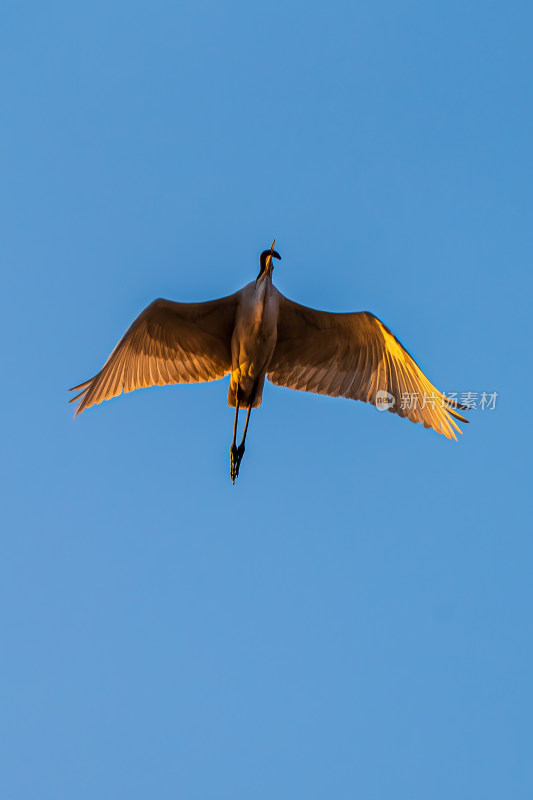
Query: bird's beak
268	262
273	254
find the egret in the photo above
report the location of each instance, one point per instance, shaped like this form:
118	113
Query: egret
257	333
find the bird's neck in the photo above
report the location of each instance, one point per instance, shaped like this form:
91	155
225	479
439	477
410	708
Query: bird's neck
263	282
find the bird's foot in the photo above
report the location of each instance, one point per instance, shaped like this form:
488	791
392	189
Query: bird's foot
236	454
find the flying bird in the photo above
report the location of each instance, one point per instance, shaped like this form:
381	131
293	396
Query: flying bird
257	333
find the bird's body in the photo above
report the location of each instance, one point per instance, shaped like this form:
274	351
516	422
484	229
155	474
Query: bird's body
253	342
257	332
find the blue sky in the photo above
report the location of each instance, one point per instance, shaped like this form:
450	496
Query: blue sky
353	618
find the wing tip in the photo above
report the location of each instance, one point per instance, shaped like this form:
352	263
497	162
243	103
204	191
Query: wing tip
83	385
81	397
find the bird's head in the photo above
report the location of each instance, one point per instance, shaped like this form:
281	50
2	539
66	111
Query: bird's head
265	261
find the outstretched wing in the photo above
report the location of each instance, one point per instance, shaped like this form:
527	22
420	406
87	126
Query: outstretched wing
168	343
356	356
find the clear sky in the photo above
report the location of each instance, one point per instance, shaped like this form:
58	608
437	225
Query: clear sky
354	618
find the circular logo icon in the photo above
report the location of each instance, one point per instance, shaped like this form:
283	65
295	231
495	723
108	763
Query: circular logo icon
384	400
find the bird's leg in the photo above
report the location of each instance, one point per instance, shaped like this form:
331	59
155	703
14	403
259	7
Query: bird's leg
235	461
238	452
235	464
240	449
